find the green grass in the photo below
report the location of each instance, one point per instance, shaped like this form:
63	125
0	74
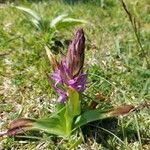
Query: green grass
113	59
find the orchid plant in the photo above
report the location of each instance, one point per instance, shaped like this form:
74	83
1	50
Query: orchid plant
69	81
48	29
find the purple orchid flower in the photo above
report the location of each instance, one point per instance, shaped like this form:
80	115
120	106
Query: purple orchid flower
69	72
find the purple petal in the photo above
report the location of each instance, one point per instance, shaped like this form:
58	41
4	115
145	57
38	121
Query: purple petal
62	98
79	83
56	76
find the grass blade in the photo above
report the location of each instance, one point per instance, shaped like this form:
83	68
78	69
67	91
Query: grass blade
29	12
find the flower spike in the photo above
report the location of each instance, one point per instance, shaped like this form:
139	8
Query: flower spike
69	72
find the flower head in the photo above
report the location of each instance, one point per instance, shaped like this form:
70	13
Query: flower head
75	54
69	72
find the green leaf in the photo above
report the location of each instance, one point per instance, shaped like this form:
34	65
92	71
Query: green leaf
57	20
54	125
51	125
36	23
72	109
98	114
29	12
63	22
90	116
61	122
74	102
68	22
35	19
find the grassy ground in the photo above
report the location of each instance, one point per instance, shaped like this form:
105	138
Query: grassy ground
115	63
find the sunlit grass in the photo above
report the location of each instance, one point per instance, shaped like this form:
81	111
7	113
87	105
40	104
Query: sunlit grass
112	59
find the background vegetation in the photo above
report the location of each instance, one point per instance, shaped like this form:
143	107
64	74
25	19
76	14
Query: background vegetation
117	68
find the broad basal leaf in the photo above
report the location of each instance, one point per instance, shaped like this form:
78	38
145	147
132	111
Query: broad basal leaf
56	124
90	116
19	126
93	115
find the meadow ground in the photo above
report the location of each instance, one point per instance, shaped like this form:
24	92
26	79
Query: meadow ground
115	61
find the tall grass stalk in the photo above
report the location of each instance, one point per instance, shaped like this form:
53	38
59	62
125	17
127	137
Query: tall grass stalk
124	134
138	132
136	32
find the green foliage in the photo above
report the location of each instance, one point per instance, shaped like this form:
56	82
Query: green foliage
67	119
53	125
60	123
61	21
73	105
50	30
90	116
